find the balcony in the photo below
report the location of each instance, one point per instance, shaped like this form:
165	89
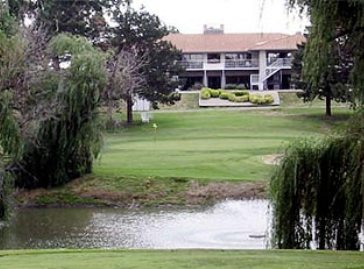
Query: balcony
241	64
192	65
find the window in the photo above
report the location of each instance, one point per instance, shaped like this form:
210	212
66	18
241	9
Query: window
213	58
193	57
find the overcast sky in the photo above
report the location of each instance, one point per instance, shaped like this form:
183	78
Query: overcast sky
238	16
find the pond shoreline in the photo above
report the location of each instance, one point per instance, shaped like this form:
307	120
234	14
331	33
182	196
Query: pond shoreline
95	192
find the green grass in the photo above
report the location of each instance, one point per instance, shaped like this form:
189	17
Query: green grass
204	259
209	144
190	153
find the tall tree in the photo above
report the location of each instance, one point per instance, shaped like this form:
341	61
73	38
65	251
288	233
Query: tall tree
125	79
85	18
71	130
337	30
334	83
317	191
143	32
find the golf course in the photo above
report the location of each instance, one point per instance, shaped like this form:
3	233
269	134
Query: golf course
192	149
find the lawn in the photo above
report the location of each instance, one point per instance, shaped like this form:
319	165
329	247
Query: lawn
209	144
207	259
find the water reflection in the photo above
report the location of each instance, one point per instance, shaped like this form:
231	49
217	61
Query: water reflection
229	225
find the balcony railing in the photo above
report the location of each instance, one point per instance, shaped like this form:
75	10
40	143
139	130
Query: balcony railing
192	64
280	62
241	63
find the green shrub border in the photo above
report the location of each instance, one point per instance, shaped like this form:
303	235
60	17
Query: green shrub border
242	96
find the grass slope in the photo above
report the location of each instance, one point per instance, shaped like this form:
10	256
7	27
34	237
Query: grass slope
207	259
194	155
208	144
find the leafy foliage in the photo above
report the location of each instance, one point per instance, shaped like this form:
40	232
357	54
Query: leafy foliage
73	133
317	193
334	83
144	32
84	18
334	46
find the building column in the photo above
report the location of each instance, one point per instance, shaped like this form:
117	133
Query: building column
223	79
262	68
205	82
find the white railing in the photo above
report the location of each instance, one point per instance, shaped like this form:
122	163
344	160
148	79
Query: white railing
192	64
275	66
213	66
280	63
241	63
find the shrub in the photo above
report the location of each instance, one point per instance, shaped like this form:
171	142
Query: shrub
231	97
242	99
253	98
242	93
268	99
205	94
224	95
215	93
260	99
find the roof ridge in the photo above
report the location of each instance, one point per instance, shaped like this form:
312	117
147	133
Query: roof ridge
257	45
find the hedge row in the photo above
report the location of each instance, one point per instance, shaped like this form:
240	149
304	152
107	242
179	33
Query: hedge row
237	96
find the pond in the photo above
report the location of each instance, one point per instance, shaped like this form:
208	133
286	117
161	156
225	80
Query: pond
227	225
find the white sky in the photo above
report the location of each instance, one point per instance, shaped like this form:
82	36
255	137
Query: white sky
238	16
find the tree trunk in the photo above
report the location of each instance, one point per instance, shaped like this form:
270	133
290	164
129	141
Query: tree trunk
328	106
129	108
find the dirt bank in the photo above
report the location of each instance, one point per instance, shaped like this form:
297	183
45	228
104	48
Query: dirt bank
132	192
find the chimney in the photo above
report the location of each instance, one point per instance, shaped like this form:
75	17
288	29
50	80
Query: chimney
222	28
208	30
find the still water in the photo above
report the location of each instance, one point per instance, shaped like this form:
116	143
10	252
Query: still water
227	225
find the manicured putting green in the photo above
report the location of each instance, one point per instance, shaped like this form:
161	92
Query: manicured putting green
208	145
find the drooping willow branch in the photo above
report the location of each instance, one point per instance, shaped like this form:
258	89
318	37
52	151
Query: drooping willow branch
318	191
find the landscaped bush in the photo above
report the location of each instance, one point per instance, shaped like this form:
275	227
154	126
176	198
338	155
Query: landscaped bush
268	99
205	94
242	93
214	93
242	99
237	96
224	95
231	97
260	99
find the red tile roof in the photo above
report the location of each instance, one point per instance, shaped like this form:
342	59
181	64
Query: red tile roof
198	43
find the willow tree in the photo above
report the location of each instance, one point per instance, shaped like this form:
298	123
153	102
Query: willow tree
318	190
11	65
64	144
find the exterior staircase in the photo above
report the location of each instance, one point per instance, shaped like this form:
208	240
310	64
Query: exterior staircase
276	66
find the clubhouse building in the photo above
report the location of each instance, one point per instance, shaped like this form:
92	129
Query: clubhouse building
258	61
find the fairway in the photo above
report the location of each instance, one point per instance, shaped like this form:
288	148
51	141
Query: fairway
107	259
208	145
